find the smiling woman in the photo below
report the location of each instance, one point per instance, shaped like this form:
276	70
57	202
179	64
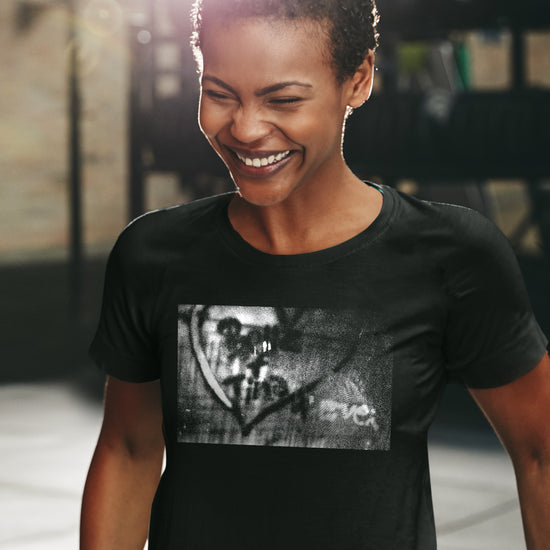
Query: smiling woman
290	341
273	109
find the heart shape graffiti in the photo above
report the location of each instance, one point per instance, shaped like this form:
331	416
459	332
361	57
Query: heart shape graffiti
257	360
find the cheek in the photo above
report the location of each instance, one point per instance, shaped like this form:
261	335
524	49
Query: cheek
320	131
321	123
204	121
210	120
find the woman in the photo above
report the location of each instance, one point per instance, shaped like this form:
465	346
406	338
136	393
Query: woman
289	342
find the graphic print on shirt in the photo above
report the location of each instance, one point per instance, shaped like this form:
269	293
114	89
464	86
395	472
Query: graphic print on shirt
294	377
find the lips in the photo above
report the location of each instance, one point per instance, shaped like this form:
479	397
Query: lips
259	163
262	160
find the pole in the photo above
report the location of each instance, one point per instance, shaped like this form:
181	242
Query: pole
136	187
75	169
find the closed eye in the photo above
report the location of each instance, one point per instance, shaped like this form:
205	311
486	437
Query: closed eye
285	100
215	94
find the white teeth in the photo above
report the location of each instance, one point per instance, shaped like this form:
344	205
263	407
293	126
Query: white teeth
257	162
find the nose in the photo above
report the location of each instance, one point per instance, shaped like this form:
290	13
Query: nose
248	126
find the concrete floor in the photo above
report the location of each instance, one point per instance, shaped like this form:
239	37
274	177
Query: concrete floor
47	435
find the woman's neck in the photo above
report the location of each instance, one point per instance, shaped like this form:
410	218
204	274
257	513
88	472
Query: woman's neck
307	222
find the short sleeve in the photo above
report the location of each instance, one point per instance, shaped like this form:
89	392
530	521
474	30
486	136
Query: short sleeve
492	336
123	345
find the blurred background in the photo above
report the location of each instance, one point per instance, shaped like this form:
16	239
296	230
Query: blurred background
98	124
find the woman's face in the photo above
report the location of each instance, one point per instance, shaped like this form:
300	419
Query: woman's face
271	106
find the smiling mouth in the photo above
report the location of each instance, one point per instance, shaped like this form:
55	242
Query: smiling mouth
261	161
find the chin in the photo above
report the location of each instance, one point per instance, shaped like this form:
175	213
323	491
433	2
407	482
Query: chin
261	193
261	197
261	201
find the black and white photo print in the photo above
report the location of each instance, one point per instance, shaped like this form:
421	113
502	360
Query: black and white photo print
295	377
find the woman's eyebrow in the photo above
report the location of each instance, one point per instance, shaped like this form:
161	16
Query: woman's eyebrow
262	91
280	86
220	83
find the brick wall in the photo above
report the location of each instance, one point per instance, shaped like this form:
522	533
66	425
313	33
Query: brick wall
33	131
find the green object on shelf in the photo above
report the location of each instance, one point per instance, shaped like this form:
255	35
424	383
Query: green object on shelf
412	57
463	65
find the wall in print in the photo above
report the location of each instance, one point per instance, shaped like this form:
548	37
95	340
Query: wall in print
294	377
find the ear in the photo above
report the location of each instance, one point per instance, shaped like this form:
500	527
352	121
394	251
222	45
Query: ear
360	84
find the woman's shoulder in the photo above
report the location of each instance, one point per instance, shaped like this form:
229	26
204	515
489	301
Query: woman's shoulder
156	222
463	246
166	223
457	227
157	232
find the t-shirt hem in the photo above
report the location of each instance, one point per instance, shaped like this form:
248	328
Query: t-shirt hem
127	369
510	368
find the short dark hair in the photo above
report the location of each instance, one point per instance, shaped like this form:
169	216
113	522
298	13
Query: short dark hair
352	24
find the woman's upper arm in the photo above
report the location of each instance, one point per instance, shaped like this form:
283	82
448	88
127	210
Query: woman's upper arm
519	412
132	416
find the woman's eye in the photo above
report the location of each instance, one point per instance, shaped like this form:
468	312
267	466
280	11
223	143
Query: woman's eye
285	100
215	95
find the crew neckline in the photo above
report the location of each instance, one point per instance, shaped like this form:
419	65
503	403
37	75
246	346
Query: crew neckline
249	253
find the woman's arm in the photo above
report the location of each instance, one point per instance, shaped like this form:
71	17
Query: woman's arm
520	414
125	468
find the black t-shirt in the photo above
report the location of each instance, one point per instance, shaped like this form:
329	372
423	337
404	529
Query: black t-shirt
298	390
